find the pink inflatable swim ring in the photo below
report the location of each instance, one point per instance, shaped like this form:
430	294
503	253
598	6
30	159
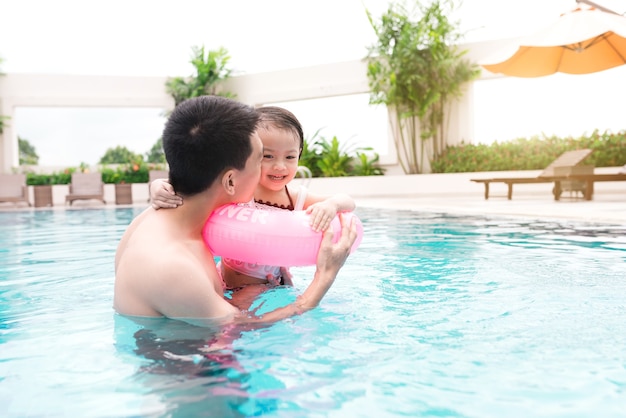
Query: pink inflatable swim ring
272	237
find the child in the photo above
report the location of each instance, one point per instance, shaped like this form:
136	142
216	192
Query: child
282	137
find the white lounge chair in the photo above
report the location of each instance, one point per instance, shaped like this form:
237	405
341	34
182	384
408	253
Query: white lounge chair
86	186
157	174
13	188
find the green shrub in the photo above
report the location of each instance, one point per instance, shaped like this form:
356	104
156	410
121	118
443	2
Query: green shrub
39	179
367	165
63	177
36	179
329	158
138	172
112	175
310	155
535	153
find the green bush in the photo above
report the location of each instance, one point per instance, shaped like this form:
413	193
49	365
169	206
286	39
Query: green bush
310	155
138	172
329	158
367	165
64	177
36	179
39	179
609	150
111	175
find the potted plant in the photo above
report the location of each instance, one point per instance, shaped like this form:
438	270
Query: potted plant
42	188
123	189
122	177
42	185
123	193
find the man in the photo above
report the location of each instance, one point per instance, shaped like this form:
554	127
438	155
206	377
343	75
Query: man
162	265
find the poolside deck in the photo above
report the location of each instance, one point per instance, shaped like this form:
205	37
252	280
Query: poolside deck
449	193
603	209
455	193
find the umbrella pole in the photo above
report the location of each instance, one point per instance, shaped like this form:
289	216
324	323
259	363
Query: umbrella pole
597	6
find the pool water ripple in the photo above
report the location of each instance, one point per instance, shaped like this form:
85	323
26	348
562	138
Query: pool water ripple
433	316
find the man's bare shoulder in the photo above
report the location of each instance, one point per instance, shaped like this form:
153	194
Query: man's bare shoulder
162	271
141	231
151	243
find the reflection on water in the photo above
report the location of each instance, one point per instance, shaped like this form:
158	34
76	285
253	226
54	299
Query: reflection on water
192	371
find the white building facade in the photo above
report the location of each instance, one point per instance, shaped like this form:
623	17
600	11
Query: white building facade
324	81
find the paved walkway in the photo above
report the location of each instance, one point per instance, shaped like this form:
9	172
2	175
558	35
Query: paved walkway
603	209
447	193
455	193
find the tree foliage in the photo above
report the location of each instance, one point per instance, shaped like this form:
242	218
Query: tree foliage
3	119
120	155
156	153
28	154
416	69
211	71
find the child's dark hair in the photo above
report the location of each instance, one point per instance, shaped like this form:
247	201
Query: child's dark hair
281	118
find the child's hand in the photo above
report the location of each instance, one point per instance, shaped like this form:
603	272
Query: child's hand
322	214
162	195
285	275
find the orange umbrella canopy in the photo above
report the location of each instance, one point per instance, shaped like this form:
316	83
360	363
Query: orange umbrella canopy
579	42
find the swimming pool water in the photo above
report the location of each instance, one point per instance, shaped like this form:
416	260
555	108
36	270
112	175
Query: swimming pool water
433	316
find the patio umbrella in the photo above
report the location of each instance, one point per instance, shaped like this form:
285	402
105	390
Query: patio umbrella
580	42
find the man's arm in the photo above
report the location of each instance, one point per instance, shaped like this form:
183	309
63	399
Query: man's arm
330	258
183	290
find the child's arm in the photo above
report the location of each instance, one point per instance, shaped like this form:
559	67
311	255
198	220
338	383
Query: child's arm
323	210
162	195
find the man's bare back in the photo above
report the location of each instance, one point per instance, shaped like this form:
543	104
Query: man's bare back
162	270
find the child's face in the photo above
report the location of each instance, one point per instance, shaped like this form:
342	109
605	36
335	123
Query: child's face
280	157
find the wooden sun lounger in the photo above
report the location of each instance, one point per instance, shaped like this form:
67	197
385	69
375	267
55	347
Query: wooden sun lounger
510	181
563	164
587	179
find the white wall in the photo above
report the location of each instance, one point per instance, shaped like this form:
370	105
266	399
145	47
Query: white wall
24	90
344	78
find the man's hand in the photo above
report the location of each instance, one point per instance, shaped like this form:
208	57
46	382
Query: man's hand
332	256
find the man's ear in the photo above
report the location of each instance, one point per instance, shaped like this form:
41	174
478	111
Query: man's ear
228	182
